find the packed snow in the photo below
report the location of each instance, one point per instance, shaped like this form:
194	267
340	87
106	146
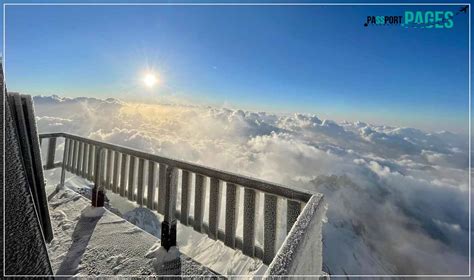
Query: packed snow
398	197
95	241
210	254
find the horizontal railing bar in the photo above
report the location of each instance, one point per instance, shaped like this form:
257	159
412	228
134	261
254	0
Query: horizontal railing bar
248	182
304	239
51	135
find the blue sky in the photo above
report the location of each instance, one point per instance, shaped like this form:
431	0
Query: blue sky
318	59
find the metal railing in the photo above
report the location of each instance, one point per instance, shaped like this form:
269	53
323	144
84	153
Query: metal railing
152	181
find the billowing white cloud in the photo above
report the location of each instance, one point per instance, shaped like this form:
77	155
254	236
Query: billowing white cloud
398	197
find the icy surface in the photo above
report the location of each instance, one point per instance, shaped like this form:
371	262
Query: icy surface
95	244
162	259
92	241
210	253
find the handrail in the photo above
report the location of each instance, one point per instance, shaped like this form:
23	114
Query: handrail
132	174
257	184
301	252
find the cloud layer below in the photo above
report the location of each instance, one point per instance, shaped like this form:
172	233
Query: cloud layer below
398	197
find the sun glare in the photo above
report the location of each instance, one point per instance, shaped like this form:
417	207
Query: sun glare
150	80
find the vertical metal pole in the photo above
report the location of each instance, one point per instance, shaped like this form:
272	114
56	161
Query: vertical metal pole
108	172
214	209
65	158
80	157
116	172
150	197
123	174
270	227
51	153
98	195
161	187
199	200
168	227
85	155
141	169
74	157
70	155
231	214
292	213
185	187
249	222
90	164
131	178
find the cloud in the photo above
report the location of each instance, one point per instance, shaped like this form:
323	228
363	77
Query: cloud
398	197
53	123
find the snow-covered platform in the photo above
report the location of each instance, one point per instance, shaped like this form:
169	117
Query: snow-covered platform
95	241
225	223
209	253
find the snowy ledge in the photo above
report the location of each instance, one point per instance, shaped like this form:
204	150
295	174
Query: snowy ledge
94	241
301	253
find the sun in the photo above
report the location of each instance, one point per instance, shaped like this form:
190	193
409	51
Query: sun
150	80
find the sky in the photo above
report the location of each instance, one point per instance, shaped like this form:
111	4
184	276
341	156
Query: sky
310	59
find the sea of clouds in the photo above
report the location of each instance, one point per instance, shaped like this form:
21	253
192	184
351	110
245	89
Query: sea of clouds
397	197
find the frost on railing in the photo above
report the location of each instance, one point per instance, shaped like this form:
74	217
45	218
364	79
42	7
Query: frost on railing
205	194
301	253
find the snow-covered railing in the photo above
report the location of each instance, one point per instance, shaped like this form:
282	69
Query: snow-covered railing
301	252
138	176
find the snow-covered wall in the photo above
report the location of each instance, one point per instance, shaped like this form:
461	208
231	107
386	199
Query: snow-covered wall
301	253
25	250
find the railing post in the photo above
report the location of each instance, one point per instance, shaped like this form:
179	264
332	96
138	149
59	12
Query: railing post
116	172
90	164
140	179
214	208
231	214
80	158
70	155
74	157
131	177
292	213
150	198
270	227
199	200
123	174
98	195
108	177
85	156
168	226
249	222
161	187
51	153
185	188
67	142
